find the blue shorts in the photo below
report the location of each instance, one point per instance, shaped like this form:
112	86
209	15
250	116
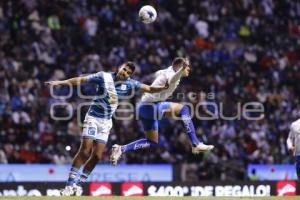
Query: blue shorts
150	113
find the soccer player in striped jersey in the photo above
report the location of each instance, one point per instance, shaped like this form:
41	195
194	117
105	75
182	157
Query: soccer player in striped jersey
153	106
98	120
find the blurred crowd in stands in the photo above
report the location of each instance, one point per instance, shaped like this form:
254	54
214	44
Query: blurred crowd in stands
241	51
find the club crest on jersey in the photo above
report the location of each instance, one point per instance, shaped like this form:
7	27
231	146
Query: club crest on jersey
123	87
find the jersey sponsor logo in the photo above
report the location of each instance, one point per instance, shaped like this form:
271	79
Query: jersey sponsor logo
91	131
132	189
286	188
101	189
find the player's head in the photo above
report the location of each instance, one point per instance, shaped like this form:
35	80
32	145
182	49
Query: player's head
179	62
125	70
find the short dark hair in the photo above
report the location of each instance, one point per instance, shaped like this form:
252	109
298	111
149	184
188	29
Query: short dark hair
177	61
131	65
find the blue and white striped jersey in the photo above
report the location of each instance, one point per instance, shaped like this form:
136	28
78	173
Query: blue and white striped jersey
108	92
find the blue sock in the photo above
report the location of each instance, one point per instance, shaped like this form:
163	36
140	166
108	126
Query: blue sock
138	144
188	124
83	177
72	175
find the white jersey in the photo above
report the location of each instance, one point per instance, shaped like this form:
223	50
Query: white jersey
294	137
162	76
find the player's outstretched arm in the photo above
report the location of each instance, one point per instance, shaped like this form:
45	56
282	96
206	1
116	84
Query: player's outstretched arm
71	81
153	89
178	74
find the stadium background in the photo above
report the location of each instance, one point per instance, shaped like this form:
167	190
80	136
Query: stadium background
240	51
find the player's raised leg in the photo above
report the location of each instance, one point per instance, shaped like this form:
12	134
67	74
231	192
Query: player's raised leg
177	109
151	141
148	114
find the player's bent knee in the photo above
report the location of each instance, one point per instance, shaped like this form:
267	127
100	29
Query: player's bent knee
177	107
180	106
152	135
85	152
154	141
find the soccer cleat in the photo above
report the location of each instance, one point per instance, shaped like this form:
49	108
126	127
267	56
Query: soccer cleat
67	191
77	190
116	153
201	148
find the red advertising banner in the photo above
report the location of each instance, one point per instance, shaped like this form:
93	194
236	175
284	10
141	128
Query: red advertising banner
197	189
100	189
286	188
132	189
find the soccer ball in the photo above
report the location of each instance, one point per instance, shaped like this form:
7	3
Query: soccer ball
147	14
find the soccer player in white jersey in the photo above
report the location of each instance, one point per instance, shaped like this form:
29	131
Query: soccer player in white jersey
153	106
293	143
98	120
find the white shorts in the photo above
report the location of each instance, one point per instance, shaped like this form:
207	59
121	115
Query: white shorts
96	128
